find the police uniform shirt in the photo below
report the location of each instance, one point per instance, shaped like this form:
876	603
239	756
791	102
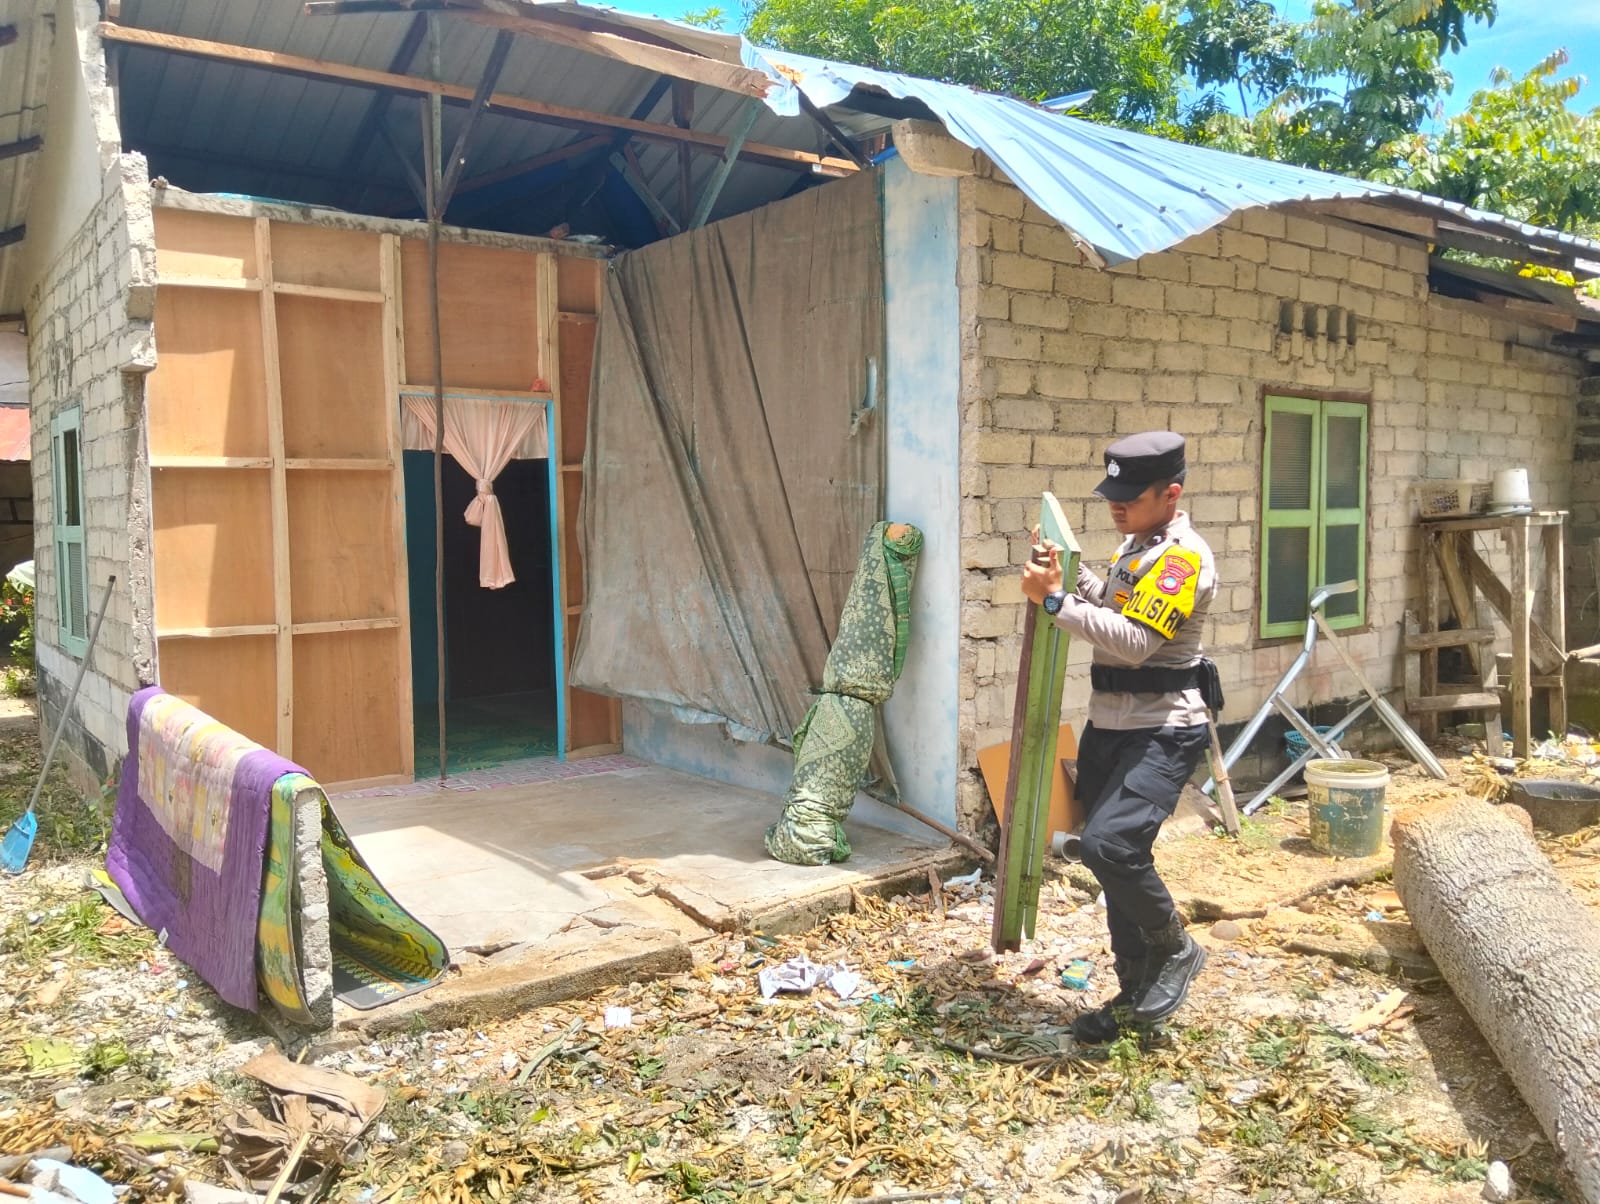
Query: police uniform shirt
1149	611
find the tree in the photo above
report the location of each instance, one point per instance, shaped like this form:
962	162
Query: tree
1518	149
1365	74
1034	49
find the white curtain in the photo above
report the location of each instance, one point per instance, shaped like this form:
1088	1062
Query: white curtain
484	435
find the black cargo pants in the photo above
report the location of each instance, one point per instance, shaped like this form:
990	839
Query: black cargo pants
1128	783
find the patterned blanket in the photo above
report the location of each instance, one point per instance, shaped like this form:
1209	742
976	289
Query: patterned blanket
237	854
189	835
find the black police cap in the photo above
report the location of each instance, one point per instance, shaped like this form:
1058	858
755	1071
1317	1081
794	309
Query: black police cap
1140	461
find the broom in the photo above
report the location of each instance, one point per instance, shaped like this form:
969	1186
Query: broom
18	842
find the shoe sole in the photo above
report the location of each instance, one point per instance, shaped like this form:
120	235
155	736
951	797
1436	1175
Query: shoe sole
1149	1018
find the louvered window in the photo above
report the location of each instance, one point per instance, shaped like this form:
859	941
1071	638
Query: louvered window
72	569
1313	512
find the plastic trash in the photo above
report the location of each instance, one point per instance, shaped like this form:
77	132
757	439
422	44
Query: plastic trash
1076	976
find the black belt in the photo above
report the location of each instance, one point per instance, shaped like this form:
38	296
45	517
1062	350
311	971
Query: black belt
1202	676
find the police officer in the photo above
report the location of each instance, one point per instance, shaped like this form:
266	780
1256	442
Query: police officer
1148	717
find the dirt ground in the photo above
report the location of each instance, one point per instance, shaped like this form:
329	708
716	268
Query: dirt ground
1320	1056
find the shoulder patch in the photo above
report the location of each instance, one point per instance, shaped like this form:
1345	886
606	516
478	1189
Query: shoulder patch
1165	595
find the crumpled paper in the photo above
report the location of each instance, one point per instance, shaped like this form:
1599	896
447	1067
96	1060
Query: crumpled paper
801	975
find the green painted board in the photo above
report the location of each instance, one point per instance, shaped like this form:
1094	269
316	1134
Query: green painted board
1035	724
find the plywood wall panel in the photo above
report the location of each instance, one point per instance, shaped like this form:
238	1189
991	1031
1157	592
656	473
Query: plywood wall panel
487	313
204	245
319	255
212	533
232	680
345	728
577	364
331	356
578	284
342	554
207	395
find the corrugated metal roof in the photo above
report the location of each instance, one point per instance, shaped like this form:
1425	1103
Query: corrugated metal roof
213	126
24	79
1126	194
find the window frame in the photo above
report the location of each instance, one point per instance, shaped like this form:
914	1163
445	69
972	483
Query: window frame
1318	518
66	534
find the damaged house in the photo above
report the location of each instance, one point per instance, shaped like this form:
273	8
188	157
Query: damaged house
704	313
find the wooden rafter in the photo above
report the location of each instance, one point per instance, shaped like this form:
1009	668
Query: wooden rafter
458	155
505	104
378	109
23	146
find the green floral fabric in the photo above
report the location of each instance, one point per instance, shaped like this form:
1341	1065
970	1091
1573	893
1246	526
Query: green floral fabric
834	742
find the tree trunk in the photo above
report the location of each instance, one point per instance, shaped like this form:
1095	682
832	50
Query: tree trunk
1521	953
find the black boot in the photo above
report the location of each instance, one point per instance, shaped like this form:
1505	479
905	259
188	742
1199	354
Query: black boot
1175	959
1105	1022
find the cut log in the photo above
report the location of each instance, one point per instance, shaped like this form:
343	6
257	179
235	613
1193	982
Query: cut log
1521	953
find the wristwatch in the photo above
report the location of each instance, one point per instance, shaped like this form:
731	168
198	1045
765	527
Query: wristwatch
1054	602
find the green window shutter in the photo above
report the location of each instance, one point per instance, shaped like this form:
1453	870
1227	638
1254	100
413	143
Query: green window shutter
1344	510
72	567
1313	512
1290	500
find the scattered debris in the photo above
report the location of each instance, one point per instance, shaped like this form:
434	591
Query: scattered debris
1498	1187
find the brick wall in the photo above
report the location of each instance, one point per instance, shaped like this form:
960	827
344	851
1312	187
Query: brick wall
1060	357
89	344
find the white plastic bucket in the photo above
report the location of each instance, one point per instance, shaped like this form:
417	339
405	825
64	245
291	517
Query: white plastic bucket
1346	804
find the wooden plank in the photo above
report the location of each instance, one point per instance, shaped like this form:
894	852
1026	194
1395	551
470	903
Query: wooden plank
1375	214
283	609
1546	656
333	398
232	680
203	246
22	146
338	734
211	541
474	391
576	343
160	462
1448	639
1036	720
393	359
215	633
488	304
1519	621
174	280
574	574
588	714
342	550
207	394
324	464
313	257
333	627
501	102
1457	588
578	285
663	60
1471	700
365	296
1555	606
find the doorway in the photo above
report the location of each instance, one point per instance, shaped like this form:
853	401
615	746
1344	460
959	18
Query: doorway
502	688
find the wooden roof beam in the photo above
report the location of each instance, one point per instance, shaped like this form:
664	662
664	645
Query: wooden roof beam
23	146
502	103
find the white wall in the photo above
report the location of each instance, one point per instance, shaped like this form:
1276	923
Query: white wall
81	140
923	379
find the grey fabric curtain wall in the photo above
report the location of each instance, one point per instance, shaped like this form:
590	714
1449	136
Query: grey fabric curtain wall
734	459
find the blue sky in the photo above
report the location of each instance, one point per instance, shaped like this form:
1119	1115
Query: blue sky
1525	32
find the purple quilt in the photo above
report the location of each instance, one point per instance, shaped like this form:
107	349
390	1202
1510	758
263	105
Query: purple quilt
189	836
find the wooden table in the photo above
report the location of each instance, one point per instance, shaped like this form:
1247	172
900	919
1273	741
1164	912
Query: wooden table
1536	615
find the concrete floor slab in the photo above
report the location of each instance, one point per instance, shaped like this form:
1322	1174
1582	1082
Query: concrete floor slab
494	868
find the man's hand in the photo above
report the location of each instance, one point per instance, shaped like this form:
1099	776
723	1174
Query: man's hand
1040	579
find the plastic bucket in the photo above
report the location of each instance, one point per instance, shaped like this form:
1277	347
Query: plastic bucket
1346	802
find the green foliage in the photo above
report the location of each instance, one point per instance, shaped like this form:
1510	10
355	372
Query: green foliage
16	631
1364	75
1032	49
1519	149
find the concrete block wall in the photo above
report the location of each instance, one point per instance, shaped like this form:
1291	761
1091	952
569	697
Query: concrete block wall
1060	357
90	343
